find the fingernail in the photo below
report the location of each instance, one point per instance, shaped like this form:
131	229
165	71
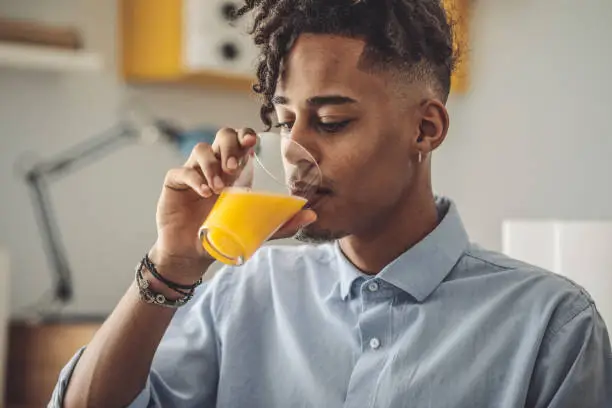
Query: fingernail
205	190
218	183
232	163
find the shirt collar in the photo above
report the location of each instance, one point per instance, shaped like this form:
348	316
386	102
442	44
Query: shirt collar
421	269
348	272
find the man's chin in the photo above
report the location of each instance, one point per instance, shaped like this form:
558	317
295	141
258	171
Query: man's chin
312	235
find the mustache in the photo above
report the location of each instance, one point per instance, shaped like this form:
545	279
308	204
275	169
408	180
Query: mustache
306	179
303	187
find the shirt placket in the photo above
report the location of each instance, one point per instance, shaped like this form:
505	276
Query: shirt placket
375	336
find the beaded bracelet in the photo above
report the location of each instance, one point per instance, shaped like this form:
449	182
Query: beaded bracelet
178	288
147	295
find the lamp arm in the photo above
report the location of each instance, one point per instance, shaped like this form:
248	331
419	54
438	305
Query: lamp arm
51	238
37	179
84	152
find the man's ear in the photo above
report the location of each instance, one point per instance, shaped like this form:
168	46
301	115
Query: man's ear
433	125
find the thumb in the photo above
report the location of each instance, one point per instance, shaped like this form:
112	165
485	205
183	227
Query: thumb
300	220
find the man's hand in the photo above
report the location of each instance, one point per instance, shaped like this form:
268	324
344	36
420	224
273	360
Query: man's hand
188	195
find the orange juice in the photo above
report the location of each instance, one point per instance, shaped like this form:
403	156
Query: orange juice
241	220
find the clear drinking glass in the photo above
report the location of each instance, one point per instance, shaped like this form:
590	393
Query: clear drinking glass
274	185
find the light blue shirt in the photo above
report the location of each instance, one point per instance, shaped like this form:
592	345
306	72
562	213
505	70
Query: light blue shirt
445	325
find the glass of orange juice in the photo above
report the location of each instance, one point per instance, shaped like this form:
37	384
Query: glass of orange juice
274	184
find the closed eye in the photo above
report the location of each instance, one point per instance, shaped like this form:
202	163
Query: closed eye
328	127
284	126
333	127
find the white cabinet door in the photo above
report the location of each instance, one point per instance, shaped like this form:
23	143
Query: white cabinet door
212	43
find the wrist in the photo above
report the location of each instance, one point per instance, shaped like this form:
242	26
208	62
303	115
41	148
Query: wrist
156	289
159	287
182	270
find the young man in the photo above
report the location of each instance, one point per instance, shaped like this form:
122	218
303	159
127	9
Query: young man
393	307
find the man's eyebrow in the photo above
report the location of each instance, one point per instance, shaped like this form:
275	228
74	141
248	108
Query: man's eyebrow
317	101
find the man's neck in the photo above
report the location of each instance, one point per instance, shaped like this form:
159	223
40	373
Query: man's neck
412	222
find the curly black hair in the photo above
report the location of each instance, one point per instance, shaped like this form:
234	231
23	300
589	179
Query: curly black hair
412	36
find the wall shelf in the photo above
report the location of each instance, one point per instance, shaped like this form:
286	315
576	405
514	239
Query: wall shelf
44	58
205	79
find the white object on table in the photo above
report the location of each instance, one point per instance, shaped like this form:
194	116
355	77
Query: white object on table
4	317
578	250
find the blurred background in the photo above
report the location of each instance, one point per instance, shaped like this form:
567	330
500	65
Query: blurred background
530	139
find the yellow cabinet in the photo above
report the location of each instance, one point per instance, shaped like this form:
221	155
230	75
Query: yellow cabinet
191	41
459	11
187	41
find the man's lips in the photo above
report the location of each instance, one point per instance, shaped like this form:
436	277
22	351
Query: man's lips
315	199
305	189
309	191
313	193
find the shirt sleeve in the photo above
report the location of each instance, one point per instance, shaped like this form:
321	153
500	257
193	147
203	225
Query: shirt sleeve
574	368
185	368
57	398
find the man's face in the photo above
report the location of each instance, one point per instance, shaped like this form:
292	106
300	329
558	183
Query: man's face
361	133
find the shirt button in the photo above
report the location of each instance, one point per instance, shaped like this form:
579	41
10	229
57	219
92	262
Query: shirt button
373	286
374	343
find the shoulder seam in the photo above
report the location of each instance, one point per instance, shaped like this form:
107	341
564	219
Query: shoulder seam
569	320
573	284
471	255
535	268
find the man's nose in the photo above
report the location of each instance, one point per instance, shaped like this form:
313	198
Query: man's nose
294	153
301	145
301	165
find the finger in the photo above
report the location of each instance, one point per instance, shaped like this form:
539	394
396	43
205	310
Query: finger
300	220
184	178
202	158
247	138
228	149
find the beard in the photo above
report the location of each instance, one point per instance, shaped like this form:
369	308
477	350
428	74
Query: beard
312	235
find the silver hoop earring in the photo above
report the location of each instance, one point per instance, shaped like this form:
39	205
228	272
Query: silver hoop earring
420	157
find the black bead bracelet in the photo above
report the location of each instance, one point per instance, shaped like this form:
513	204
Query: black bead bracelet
185	290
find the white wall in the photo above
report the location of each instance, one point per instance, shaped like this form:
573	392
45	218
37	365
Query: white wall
534	137
531	139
